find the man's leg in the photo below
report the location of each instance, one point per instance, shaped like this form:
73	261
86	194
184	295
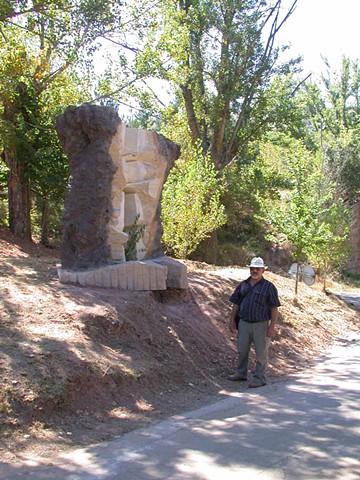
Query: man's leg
261	344
243	347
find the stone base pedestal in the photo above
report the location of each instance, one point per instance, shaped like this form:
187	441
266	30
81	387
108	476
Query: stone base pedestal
158	274
177	272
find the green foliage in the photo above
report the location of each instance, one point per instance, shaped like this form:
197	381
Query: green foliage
341	155
248	187
3	212
232	254
352	279
135	232
296	217
191	208
219	59
342	89
331	246
333	126
308	173
44	47
309	216
230	99
28	130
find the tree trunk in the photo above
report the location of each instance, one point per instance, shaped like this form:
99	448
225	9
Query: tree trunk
190	113
298	274
45	209
18	196
18	180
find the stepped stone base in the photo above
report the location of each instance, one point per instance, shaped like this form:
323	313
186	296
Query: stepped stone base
157	274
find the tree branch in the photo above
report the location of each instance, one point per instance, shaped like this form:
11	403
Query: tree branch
190	112
299	84
257	79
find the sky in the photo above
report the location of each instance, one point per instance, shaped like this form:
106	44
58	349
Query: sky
323	27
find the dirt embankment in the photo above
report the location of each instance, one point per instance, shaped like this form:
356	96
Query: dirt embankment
82	365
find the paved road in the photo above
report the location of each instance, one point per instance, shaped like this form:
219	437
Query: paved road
351	298
307	428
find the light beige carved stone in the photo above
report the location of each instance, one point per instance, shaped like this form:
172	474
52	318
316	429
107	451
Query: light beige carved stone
136	275
137	184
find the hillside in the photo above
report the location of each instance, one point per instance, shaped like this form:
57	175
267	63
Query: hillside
83	365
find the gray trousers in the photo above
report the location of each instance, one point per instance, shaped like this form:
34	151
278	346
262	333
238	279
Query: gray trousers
255	333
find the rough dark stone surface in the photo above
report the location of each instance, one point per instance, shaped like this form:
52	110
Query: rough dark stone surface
85	133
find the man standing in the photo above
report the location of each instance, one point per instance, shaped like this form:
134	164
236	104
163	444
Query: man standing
255	314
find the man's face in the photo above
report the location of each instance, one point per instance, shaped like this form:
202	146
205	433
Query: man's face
256	273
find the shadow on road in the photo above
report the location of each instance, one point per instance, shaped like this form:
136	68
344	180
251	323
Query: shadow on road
305	428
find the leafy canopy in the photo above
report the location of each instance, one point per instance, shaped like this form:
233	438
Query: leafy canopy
191	207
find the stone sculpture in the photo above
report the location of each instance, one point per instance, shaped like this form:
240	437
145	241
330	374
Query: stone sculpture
117	176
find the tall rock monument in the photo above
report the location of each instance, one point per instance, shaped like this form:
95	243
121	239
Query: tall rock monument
113	202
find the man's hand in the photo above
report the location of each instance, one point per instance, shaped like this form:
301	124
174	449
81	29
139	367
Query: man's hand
232	322
273	322
271	331
232	325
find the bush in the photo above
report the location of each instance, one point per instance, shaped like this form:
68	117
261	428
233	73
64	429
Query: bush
191	208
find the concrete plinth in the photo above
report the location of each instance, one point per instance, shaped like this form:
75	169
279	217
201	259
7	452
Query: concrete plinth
157	274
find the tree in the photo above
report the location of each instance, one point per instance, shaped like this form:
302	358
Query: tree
341	157
220	60
333	126
49	170
39	42
343	95
191	208
331	245
309	215
250	186
219	57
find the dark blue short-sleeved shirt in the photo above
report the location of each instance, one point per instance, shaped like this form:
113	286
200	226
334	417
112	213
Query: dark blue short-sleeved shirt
256	301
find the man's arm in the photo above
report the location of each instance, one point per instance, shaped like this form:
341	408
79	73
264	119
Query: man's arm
273	322
232	322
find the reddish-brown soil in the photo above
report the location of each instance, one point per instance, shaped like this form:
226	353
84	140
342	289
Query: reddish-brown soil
83	365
